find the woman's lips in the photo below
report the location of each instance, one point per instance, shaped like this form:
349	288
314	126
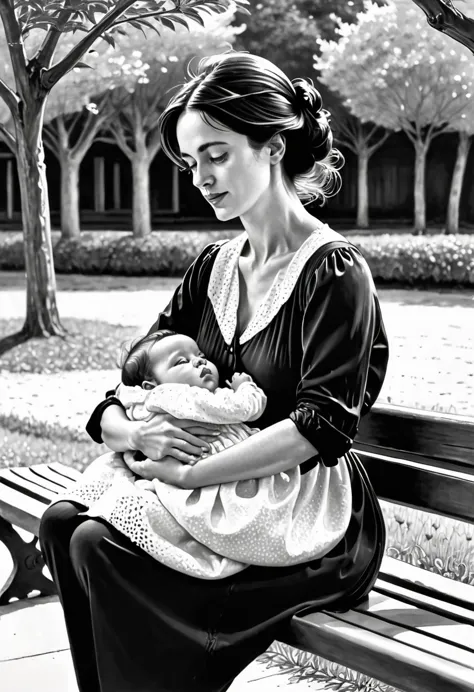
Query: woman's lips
215	199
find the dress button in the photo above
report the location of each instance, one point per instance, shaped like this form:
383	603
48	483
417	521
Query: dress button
231	350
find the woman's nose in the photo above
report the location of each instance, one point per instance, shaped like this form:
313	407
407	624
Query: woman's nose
202	176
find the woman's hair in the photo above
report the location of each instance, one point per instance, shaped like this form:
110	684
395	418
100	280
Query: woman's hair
135	358
251	96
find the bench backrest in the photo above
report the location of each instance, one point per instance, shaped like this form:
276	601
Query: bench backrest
421	459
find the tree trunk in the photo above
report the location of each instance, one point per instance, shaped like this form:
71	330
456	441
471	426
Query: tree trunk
42	317
452	220
421	149
70	219
363	188
141	195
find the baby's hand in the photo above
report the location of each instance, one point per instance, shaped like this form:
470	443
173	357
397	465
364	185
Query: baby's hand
239	378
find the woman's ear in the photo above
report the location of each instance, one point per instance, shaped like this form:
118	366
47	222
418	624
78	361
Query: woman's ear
277	146
148	384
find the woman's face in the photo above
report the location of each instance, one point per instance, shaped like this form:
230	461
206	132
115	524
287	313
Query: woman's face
232	177
178	359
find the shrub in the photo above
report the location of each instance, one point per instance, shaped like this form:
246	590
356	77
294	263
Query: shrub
437	259
163	253
402	258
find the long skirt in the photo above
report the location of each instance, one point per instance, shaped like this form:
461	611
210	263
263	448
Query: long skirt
135	625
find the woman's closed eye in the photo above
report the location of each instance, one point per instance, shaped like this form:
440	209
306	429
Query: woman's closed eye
188	168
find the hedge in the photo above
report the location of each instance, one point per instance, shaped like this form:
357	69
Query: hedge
401	258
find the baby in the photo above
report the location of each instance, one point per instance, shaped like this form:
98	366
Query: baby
218	530
167	372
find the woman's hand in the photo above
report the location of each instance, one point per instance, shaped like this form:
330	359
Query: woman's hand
168	470
167	436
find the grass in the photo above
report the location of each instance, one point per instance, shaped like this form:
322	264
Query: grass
32	449
89	345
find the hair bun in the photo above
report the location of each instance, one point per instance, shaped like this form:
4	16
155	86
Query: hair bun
307	96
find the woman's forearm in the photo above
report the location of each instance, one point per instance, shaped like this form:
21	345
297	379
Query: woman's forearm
117	430
277	448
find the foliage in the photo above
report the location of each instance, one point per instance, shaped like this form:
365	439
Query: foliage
387	75
277	26
301	666
435	543
434	259
158	66
166	253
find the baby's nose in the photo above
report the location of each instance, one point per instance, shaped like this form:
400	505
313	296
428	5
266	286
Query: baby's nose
199	360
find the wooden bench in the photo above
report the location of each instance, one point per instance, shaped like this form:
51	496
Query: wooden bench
416	632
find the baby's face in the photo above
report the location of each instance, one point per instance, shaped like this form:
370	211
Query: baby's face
178	359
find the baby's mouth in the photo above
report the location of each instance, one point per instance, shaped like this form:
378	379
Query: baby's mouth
204	372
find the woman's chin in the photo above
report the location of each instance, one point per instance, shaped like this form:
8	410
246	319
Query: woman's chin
224	214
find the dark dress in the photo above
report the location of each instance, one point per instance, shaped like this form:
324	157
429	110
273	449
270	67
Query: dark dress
321	359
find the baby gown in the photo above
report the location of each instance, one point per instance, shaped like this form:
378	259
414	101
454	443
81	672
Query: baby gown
218	530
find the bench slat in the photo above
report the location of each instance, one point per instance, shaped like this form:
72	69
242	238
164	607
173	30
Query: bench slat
68	472
427	602
396	614
44	473
18	482
428	488
422	581
34	475
444	440
372	653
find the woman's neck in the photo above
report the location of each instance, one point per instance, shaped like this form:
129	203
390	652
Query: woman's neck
277	225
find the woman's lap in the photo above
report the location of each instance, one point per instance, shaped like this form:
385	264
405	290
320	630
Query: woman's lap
217	627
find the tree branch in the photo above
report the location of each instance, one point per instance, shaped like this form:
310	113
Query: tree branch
154	143
443	16
15	44
47	49
52	75
120	138
8	138
50	139
10	98
92	126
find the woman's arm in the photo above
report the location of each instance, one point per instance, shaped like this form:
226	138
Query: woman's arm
277	448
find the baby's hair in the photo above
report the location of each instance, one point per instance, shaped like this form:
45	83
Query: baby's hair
251	96
134	358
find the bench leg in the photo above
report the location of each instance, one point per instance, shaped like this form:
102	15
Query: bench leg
28	563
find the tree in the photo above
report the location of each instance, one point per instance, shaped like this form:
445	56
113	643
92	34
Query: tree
77	109
34	75
363	139
446	18
387	76
137	109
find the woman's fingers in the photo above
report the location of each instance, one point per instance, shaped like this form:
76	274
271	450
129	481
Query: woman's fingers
191	445
184	457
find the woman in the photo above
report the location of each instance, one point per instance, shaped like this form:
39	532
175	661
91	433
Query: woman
293	304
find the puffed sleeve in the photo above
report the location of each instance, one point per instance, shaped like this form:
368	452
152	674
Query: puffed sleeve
182	315
345	353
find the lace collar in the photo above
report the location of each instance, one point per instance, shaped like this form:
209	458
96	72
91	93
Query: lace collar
223	289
